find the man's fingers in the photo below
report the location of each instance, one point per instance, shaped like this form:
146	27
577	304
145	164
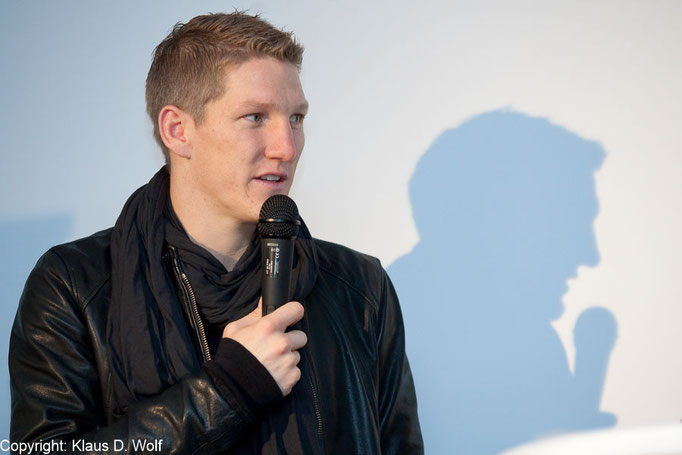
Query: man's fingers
267	339
286	315
297	339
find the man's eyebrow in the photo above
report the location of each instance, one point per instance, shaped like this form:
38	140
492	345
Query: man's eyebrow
255	105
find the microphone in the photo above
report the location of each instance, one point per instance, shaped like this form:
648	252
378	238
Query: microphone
278	226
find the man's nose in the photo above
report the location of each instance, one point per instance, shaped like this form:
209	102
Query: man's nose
281	142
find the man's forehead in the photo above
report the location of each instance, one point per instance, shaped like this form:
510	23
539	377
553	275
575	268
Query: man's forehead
260	69
264	83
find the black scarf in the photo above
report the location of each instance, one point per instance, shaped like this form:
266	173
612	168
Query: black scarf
150	345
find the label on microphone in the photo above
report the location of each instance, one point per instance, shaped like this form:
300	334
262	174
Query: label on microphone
272	260
277	264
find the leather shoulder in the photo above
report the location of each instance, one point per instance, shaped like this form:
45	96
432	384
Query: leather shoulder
356	270
86	264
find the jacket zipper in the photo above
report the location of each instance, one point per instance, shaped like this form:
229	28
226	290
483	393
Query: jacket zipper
189	294
197	318
317	411
316	404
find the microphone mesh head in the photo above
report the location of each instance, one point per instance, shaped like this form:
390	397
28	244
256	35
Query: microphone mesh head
278	218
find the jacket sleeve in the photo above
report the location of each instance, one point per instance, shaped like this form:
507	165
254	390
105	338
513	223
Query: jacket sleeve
400	431
57	393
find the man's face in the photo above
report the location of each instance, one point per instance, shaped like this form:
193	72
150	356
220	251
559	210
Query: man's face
249	142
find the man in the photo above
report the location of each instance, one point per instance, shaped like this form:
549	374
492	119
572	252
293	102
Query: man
149	336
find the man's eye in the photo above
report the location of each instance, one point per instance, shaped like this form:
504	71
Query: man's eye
254	117
296	119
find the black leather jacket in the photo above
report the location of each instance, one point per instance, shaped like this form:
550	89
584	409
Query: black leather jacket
61	381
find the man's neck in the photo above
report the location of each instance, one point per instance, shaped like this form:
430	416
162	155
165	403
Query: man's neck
225	238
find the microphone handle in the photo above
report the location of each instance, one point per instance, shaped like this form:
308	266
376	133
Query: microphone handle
277	257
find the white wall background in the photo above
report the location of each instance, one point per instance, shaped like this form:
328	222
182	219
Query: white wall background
384	79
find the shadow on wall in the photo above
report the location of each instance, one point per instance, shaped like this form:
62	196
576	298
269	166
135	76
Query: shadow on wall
504	206
22	242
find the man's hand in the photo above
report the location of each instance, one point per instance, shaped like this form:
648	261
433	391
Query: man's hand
266	338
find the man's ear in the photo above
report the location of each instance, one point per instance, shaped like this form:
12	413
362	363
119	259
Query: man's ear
174	125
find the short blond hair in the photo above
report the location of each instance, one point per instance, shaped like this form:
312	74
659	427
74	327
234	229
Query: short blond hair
189	65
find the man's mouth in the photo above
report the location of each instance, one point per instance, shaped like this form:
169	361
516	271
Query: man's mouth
270	178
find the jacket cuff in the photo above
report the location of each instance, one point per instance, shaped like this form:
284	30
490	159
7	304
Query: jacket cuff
241	379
